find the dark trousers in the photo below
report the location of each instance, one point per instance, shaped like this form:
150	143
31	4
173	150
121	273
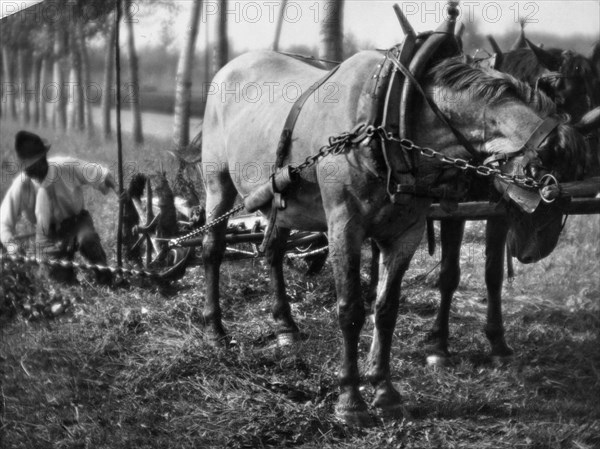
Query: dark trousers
78	234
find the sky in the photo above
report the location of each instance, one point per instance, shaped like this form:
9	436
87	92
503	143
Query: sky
252	23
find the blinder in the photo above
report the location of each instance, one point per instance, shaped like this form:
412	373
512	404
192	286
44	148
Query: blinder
527	200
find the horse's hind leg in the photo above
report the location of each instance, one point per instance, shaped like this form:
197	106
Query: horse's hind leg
496	231
373	278
395	258
220	195
285	327
451	234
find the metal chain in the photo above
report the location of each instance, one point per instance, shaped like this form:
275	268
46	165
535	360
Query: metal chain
206	227
459	163
21	259
340	143
336	145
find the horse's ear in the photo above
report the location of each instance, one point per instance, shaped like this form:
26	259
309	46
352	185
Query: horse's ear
521	41
589	122
544	58
495	47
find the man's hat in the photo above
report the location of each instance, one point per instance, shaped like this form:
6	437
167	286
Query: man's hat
30	148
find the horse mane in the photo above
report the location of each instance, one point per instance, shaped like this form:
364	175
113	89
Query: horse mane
490	86
566	146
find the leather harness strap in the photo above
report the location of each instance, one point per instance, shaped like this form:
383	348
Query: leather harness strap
534	142
285	139
434	107
288	128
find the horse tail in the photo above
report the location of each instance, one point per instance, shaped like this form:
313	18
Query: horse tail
192	154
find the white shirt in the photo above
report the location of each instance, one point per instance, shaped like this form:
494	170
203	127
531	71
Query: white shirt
58	197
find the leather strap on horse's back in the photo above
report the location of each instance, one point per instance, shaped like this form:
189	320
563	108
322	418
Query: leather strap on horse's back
283	147
288	128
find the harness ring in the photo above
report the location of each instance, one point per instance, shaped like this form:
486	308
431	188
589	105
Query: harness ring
545	181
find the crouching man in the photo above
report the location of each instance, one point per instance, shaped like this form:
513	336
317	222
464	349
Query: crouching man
49	193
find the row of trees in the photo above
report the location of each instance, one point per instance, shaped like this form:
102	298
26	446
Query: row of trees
46	68
46	65
330	49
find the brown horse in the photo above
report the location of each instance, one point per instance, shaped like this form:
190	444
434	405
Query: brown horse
346	194
570	79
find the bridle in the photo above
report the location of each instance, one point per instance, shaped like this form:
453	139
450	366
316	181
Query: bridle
530	149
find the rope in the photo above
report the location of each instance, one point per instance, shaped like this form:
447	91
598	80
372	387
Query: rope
20	259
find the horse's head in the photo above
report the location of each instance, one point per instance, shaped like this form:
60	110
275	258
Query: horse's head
562	154
571	79
514	128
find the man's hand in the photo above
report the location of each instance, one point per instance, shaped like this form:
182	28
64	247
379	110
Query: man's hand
109	182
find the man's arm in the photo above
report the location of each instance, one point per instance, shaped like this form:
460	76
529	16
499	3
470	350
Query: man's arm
10	211
92	173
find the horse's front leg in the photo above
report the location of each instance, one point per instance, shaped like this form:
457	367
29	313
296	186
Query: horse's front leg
396	255
495	236
285	327
451	235
345	240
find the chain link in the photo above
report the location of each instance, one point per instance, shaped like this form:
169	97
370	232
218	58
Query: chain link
206	227
341	142
459	163
336	145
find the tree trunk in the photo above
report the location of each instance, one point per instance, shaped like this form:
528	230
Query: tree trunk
183	90
207	55
24	91
332	31
42	96
222	48
10	92
59	119
37	86
279	25
86	78
134	97
76	86
109	67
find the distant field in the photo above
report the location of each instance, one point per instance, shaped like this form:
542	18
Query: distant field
128	368
164	102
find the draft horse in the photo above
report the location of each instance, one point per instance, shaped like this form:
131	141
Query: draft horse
347	194
569	79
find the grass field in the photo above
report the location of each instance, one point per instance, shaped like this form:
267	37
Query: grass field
128	368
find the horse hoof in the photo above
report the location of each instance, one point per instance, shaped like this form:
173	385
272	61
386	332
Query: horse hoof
355	418
288	338
437	360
